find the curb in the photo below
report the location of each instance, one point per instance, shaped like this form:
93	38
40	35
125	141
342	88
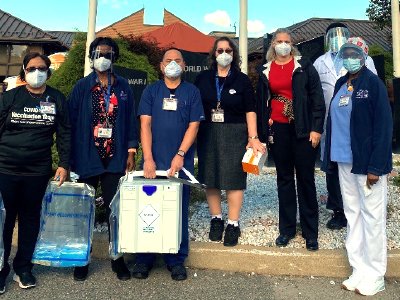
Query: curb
264	260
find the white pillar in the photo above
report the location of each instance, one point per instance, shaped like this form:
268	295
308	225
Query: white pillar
243	35
396	37
91	33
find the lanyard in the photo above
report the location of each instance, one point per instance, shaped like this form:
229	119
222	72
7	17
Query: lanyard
219	88
107	95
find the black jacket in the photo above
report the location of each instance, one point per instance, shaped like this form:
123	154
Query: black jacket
308	100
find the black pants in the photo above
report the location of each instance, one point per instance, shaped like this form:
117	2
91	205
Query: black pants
335	200
292	154
22	196
109	184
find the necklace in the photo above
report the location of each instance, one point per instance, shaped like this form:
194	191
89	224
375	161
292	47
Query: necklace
35	96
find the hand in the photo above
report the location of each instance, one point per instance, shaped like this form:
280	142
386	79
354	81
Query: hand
256	145
371	180
130	162
149	169
61	175
176	165
314	138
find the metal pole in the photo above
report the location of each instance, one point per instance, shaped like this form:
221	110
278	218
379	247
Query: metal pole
396	37
243	35
91	34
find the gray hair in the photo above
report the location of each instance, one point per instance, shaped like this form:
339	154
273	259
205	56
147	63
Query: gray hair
271	54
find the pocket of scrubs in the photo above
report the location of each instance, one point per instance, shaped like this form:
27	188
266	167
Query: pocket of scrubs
183	111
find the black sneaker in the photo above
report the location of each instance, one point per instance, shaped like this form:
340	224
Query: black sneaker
25	280
119	267
81	273
232	234
3	277
178	272
338	221
141	271
216	229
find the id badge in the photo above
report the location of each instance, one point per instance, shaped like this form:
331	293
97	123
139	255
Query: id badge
104	133
47	108
217	115
344	100
170	104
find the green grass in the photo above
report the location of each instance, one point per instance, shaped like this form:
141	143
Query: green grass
396	180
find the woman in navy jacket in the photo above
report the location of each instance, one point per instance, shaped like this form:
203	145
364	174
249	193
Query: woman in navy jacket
358	139
104	131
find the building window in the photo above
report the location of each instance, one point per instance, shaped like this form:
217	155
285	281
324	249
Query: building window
11	57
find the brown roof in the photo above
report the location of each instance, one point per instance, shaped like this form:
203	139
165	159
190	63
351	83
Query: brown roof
316	27
134	24
14	30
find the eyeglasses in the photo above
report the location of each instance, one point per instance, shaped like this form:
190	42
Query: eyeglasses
353	55
107	55
220	51
33	69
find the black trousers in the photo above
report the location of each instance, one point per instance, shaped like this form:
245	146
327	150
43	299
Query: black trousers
335	200
108	184
22	196
290	154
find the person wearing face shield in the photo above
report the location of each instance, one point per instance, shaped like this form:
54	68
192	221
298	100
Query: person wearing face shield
290	114
329	72
358	143
104	132
170	111
230	127
29	117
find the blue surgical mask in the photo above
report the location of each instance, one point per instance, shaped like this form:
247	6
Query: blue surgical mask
353	65
173	70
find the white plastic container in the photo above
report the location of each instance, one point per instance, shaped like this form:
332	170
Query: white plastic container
150	216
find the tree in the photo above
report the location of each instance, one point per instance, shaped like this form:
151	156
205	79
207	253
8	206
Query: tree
380	12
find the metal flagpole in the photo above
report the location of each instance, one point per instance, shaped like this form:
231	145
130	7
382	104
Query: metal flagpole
243	35
91	34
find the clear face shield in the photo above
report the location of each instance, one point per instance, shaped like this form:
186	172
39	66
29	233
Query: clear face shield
349	54
107	54
336	37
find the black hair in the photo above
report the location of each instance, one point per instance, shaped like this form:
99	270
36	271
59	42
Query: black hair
212	59
28	58
334	25
169	49
104	41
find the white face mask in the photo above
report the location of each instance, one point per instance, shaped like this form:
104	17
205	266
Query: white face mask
283	49
224	59
173	70
36	78
102	64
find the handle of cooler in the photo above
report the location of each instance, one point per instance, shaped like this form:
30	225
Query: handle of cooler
141	173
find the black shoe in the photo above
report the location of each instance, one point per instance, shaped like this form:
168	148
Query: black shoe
3	277
312	244
119	267
338	221
283	240
141	271
232	234
178	272
25	280
81	273
216	229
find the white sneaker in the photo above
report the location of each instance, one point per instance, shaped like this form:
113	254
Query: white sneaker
351	283
370	288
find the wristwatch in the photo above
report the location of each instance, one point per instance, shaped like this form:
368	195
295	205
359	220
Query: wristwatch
181	153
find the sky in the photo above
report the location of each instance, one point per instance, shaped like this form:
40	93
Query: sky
264	16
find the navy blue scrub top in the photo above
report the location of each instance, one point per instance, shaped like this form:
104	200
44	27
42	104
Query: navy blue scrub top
169	127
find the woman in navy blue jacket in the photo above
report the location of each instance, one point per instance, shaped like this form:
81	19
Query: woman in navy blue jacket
104	131
358	139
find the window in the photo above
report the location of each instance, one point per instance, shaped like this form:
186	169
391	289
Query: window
11	57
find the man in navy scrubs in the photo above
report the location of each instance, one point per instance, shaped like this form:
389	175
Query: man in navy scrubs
170	112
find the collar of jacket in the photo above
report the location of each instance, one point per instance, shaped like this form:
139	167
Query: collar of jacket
267	66
354	82
93	79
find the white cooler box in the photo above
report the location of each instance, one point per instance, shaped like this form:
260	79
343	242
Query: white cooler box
149	216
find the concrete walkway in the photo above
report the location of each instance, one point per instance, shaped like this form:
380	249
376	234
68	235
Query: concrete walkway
264	260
